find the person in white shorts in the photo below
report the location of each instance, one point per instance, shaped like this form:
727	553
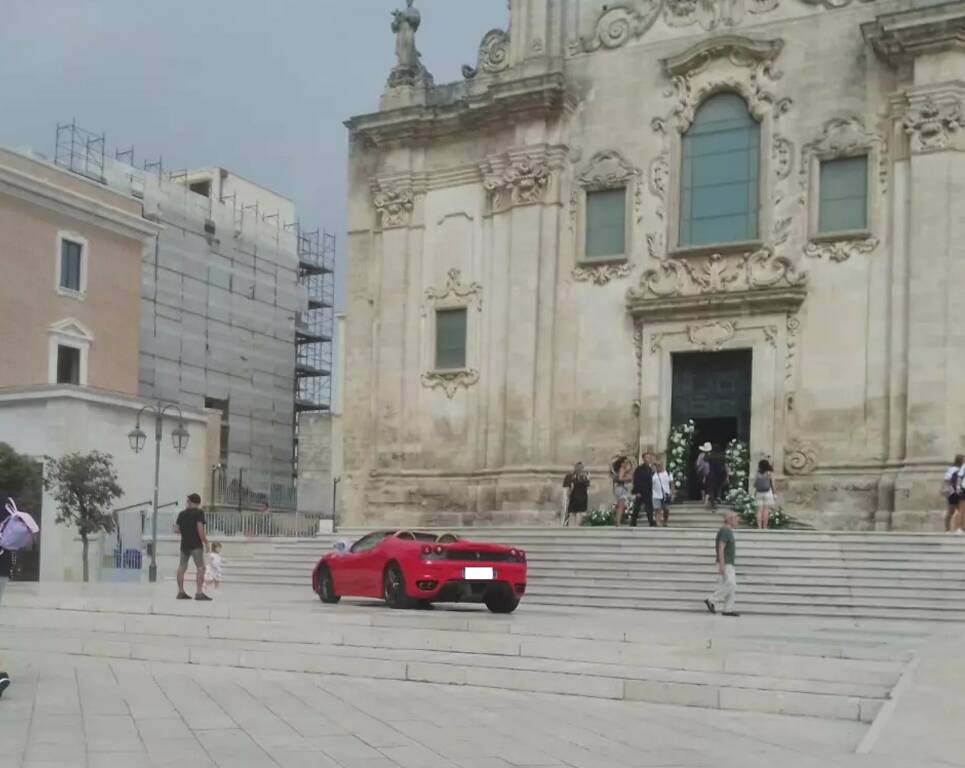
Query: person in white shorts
764	493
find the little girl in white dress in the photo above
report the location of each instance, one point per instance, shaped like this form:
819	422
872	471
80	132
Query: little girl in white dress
213	573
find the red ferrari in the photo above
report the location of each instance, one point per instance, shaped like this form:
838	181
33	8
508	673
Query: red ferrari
407	568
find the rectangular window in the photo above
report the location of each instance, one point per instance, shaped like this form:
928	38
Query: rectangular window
221	405
720	174
606	224
70	255
843	185
451	339
68	365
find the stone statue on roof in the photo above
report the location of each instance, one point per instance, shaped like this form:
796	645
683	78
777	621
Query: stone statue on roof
405	24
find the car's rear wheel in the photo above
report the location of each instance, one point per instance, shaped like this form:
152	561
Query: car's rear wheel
393	587
326	587
501	601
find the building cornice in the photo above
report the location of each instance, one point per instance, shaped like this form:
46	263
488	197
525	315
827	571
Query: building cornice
25	187
448	111
43	393
901	37
740	303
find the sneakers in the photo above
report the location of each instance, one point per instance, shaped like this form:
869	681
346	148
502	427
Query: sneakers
710	606
183	596
202	597
959	532
4	682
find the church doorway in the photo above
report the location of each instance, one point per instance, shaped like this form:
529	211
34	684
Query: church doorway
713	389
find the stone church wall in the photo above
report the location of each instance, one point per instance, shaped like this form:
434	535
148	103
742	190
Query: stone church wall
473	195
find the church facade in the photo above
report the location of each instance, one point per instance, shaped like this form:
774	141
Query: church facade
749	213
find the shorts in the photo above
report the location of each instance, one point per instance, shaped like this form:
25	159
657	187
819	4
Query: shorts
657	502
953	500
764	499
621	492
3	585
195	554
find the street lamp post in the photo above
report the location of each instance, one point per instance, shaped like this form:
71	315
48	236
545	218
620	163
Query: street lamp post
137	438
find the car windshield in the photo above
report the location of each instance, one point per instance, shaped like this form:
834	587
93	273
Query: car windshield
369	541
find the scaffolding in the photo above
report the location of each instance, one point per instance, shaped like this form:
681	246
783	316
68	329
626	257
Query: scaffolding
314	328
81	151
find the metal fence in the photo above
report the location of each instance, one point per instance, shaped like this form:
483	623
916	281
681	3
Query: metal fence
268	524
235	490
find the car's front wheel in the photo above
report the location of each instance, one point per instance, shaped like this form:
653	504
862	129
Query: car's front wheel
501	601
326	587
393	587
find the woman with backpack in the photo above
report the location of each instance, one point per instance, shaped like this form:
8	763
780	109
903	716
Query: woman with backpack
18	531
6	559
764	493
951	490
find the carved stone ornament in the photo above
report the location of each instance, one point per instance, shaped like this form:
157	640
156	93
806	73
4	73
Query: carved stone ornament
618	25
793	327
840	250
393	206
524	181
493	54
783	155
694	276
601	274
800	458
608	170
931	125
450	381
468	293
712	336
750	75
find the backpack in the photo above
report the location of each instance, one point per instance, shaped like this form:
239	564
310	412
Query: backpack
18	529
950	485
762	483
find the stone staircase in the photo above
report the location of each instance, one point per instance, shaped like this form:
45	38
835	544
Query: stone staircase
757	666
858	575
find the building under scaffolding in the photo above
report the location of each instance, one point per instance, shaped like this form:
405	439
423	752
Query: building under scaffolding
236	309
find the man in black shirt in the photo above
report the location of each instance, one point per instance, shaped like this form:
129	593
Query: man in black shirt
194	543
643	490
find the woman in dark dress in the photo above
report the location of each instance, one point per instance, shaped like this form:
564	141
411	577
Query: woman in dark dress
577	483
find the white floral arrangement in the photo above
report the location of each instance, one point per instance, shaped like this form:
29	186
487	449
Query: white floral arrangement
679	444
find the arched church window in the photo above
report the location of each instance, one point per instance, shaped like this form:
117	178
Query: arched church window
720	172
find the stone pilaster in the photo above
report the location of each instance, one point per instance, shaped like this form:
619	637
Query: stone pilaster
925	47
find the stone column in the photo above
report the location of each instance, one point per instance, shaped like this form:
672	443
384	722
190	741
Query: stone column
924	46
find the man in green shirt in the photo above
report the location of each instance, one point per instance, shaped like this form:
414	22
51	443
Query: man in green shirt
725	547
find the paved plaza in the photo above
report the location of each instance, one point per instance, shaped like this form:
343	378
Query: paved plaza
86	695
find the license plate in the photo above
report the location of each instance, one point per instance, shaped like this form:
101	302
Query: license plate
479	574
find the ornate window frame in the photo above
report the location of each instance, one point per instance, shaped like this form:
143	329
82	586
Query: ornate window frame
843	137
607	171
455	294
68	333
733	64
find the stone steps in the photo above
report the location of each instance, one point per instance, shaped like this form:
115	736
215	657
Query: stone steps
859	574
439	649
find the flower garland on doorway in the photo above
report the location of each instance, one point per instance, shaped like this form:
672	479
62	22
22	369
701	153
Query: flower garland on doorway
679	444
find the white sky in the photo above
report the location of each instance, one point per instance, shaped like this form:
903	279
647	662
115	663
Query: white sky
260	87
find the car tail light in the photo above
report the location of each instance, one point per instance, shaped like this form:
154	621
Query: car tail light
426	549
518	555
433	553
439	549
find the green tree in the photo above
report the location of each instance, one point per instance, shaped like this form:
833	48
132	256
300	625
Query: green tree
85	487
22	478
